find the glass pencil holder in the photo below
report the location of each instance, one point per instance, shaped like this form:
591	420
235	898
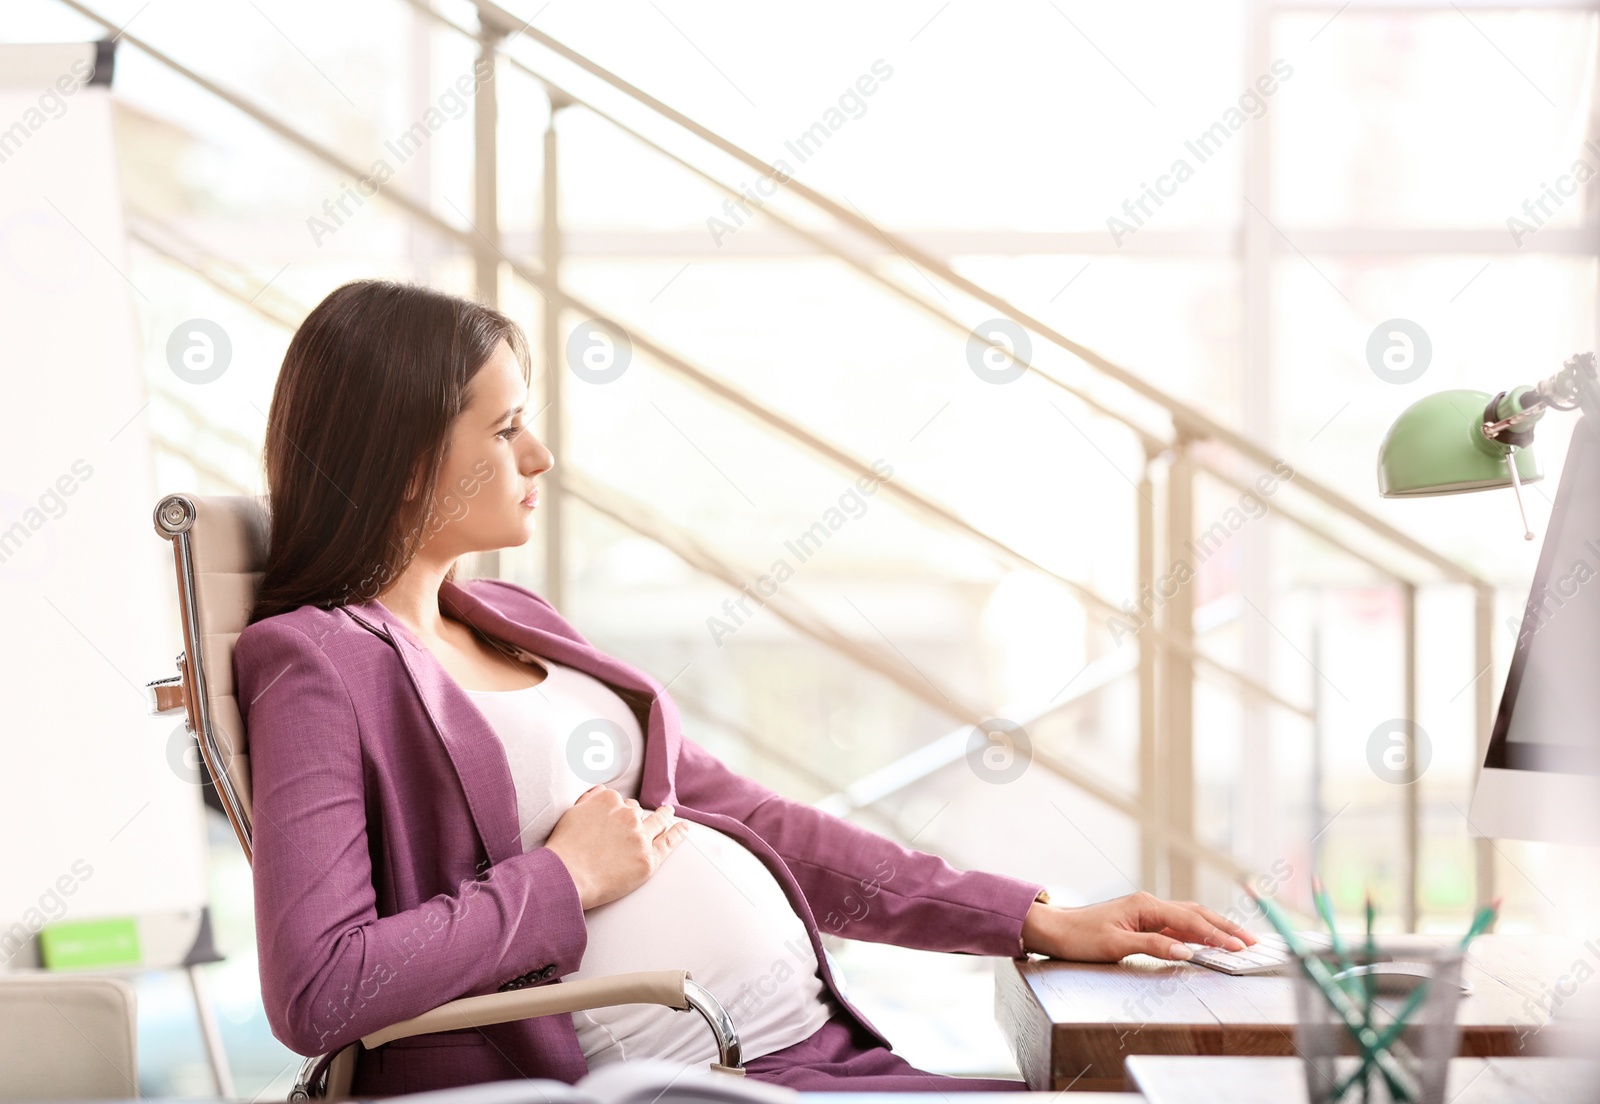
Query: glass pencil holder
1405	1064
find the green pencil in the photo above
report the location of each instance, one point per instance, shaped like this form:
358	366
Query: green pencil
1401	1083
1320	896
1368	994
1482	920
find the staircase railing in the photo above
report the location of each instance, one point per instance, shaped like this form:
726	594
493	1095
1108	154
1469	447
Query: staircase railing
1168	659
635	515
1169	640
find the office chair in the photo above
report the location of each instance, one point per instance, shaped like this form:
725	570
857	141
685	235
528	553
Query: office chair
67	1038
219	545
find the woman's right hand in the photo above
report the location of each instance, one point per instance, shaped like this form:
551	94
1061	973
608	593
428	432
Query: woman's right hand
610	845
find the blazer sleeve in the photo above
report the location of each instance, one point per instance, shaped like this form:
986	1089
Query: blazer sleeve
331	968
861	885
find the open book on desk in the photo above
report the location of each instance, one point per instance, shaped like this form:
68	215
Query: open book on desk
640	1081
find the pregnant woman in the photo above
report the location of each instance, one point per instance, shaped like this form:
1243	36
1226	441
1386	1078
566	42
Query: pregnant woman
456	793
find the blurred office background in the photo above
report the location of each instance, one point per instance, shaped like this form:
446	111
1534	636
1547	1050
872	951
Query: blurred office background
1374	182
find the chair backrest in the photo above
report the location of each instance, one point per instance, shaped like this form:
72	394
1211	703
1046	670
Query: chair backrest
219	547
67	1038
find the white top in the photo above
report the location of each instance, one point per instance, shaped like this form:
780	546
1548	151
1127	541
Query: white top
711	907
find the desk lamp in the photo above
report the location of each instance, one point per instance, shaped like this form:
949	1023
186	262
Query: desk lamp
1458	441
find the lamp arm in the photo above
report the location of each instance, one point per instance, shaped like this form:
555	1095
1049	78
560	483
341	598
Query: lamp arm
1562	390
1520	407
1523	406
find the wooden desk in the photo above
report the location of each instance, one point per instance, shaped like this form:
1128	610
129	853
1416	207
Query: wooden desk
1073	1023
1178	1080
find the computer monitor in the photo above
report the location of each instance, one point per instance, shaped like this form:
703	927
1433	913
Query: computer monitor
1541	772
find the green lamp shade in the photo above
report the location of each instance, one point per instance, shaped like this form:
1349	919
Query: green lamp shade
1436	447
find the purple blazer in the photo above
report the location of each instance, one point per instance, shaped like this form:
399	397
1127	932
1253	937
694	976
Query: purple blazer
389	876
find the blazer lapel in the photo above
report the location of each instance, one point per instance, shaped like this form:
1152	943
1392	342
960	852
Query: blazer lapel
536	629
474	749
540	638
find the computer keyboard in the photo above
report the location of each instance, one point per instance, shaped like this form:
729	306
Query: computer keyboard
1269	953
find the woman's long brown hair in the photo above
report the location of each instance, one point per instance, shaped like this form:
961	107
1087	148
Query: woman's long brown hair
369	387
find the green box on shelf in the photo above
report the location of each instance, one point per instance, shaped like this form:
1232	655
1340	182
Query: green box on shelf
83	944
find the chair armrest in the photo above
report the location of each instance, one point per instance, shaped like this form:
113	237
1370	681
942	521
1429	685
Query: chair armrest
641	987
673	988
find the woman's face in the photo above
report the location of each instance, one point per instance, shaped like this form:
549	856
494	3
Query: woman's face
491	459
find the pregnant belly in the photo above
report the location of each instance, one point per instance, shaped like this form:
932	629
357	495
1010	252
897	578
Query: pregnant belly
714	909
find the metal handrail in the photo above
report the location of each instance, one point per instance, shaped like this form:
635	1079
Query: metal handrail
1188	423
924	504
536	279
950	520
1148	439
684	546
469	240
914	766
151	241
1188	420
638	517
1201	423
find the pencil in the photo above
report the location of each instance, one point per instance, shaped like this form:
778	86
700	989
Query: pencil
1325	910
1482	920
1400	1080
